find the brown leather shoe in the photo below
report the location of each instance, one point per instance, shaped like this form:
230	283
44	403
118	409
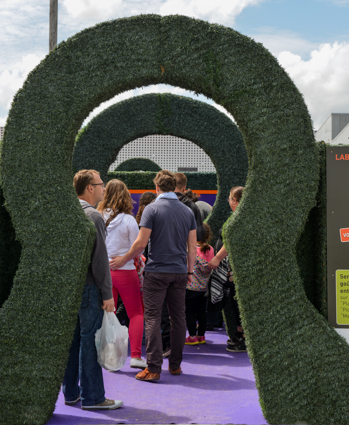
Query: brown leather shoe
176	372
146	375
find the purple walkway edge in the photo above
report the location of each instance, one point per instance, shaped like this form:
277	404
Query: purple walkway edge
216	387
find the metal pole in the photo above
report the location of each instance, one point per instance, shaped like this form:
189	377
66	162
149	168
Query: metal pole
53	24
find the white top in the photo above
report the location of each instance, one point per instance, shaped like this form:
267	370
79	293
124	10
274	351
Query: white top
121	233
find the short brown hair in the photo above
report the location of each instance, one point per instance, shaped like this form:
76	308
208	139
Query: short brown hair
181	180
165	180
82	179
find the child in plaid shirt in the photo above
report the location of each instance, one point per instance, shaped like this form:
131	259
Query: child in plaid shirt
195	301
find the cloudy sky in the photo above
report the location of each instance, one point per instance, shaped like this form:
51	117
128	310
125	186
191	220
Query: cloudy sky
310	38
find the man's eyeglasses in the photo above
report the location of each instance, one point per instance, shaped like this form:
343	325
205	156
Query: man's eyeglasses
230	198
97	184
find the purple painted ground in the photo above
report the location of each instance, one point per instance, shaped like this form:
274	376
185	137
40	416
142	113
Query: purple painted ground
216	387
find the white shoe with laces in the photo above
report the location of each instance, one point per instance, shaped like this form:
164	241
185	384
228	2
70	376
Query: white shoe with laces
139	364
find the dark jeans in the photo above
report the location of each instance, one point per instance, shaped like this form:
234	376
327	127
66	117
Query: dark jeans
165	327
195	310
235	306
157	288
82	363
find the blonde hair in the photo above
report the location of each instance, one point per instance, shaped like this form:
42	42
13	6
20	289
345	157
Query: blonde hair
117	198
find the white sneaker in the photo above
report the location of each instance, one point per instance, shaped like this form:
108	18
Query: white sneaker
106	405
139	364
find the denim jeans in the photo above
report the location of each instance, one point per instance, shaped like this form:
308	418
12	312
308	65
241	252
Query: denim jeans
82	363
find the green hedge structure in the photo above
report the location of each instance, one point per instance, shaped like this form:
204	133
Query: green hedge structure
99	143
300	363
138	164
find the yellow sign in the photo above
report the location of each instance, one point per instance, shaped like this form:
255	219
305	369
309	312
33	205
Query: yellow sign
342	297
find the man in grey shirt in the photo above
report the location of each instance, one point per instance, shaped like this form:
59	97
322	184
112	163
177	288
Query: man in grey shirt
97	296
170	228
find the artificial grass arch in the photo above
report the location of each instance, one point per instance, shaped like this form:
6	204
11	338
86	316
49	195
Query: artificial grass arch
137	164
99	143
300	363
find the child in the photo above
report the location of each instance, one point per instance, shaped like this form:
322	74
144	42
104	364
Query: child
195	300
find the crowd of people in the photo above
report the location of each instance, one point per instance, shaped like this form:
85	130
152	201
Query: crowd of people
161	265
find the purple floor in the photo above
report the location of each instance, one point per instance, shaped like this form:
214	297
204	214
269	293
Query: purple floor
216	387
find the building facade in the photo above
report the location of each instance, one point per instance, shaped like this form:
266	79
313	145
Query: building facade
169	152
335	130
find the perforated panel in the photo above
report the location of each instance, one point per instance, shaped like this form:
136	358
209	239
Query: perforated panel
169	152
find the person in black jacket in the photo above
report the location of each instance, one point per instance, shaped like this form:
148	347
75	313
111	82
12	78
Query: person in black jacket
181	184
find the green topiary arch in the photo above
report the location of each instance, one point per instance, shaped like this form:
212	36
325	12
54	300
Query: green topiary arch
100	142
138	164
301	364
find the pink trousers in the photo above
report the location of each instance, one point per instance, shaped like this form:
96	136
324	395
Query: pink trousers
126	283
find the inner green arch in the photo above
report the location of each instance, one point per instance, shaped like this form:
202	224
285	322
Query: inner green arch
301	365
99	143
138	164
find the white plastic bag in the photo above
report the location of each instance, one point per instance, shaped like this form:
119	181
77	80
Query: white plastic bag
111	343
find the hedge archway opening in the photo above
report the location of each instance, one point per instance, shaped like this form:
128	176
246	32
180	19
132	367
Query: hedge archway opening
101	140
300	363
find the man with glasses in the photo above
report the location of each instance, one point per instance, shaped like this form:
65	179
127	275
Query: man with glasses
97	296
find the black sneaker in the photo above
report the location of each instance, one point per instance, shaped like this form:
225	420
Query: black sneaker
238	347
237	337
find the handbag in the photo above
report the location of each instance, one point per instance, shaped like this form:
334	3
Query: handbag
139	263
111	343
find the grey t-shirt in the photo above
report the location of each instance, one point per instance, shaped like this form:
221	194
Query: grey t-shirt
170	222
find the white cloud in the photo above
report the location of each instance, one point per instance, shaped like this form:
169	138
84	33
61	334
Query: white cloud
277	41
93	9
221	11
323	79
3	121
11	81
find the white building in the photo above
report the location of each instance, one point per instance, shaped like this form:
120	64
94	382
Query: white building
335	130
169	152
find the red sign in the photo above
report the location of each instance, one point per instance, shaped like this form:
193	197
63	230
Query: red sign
344	235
